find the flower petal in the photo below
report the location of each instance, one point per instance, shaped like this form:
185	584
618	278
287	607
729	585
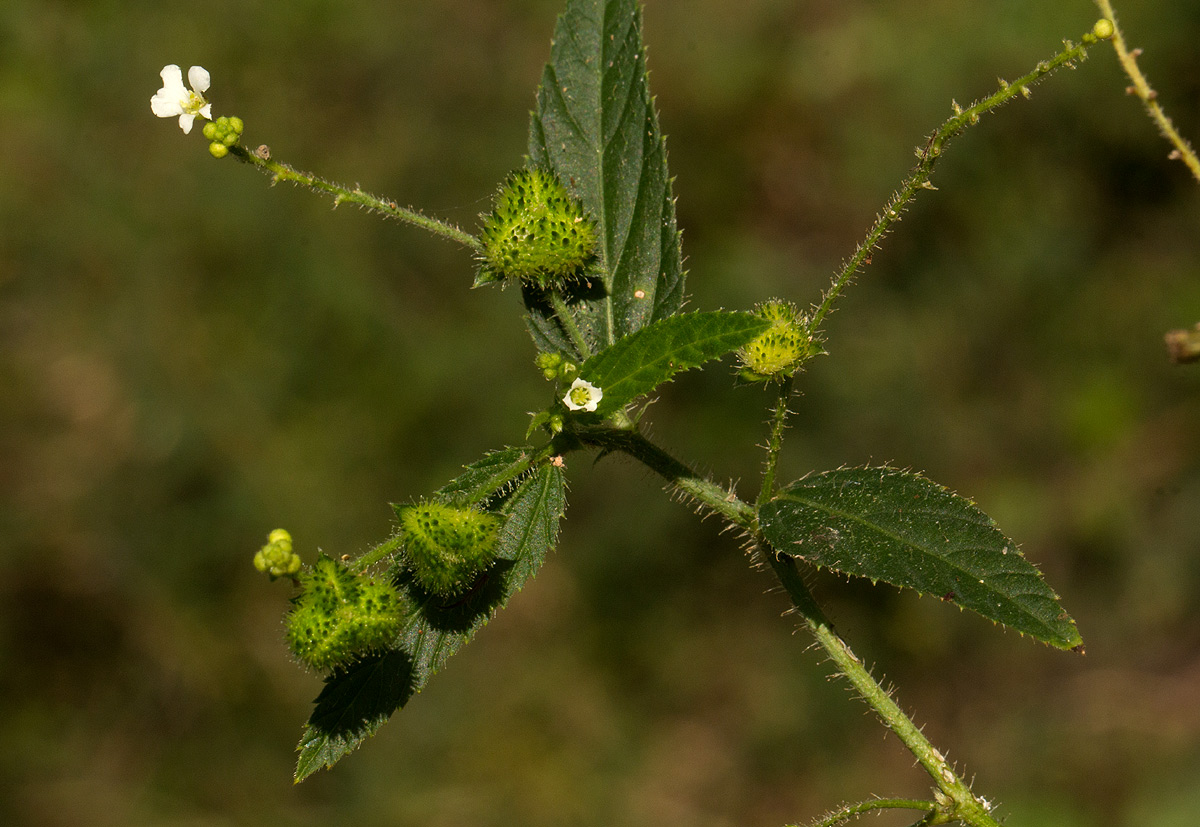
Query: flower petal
165	106
199	78
206	111
185	122
172	78
168	101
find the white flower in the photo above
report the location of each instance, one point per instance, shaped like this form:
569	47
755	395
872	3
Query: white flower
583	396
175	99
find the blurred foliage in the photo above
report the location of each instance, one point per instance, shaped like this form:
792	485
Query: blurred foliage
190	358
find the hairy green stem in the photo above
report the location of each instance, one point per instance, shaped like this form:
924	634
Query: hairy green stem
513	472
1149	98
850	811
928	156
568	324
377	554
959	802
680	477
261	158
775	440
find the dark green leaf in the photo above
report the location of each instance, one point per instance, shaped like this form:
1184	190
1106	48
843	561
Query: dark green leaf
644	360
898	527
596	127
480	479
356	702
351	707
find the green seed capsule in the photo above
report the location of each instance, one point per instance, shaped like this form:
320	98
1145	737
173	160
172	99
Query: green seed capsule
340	616
447	547
782	349
536	232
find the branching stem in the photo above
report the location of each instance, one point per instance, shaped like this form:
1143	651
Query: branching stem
928	156
956	801
680	477
849	811
282	172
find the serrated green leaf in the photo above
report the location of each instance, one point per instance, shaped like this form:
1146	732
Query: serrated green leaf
644	360
481	478
356	702
900	528
351	707
596	127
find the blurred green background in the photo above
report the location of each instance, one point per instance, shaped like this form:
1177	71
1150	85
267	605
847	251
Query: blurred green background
190	358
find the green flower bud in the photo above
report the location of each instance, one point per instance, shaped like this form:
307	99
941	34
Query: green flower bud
549	363
340	616
536	233
447	547
1103	29
782	349
555	366
276	558
223	133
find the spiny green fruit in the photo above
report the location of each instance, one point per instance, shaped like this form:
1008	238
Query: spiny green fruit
535	233
447	547
339	616
782	348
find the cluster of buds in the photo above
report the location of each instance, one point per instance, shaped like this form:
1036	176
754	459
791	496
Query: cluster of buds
223	133
556	367
276	558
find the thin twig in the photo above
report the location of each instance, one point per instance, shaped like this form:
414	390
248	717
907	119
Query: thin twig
927	156
1141	87
261	158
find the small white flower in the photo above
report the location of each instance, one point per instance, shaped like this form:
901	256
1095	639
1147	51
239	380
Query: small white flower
583	396
175	99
